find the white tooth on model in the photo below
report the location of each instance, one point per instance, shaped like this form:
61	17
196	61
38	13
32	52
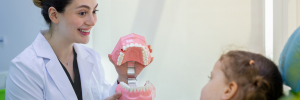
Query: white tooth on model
127	87
121	54
140	45
144	89
120	58
124	48
145	56
131	45
136	44
135	89
127	46
140	88
147	87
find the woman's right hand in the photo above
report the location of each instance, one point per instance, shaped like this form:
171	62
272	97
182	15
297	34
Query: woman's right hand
114	97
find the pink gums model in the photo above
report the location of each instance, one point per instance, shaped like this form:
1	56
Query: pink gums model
133	48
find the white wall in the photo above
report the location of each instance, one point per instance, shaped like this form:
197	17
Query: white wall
187	37
20	23
286	21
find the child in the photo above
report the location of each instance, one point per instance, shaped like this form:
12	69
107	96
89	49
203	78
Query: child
241	75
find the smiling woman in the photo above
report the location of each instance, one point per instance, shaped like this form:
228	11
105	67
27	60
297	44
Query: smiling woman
56	66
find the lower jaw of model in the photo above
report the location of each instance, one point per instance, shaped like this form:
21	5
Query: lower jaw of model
147	92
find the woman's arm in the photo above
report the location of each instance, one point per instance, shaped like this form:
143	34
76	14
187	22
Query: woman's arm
23	83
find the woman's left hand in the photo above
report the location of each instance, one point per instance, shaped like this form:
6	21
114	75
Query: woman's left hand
122	69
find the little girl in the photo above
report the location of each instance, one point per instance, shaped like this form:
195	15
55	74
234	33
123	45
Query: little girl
241	75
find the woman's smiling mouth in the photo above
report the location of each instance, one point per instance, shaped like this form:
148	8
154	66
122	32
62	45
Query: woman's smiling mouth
84	31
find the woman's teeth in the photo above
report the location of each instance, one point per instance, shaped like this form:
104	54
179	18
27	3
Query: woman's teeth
84	30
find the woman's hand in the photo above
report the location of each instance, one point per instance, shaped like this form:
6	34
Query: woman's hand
122	69
114	97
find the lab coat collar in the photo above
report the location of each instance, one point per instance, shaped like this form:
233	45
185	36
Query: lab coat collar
43	49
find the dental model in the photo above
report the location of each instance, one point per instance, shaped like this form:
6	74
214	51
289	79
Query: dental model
132	49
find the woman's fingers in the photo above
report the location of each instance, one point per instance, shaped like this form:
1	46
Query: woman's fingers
115	96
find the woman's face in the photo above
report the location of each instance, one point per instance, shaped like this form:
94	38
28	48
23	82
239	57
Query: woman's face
214	89
77	20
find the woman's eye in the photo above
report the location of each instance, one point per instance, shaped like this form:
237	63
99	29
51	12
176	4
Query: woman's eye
95	11
82	13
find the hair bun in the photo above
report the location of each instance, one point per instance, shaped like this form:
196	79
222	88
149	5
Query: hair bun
38	3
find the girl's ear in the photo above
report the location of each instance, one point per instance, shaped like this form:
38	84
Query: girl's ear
53	14
230	91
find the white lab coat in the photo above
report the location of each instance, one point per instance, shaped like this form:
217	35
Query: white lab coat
36	74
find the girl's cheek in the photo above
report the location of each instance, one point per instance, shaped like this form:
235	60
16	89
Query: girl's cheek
206	91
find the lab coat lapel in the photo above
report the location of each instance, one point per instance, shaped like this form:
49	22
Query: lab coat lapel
85	66
54	68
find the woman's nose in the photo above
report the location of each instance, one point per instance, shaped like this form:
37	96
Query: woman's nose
91	20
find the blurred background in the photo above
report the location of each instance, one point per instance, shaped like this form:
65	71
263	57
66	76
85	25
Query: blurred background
187	36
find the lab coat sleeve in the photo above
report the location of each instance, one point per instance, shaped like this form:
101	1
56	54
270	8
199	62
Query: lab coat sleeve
23	82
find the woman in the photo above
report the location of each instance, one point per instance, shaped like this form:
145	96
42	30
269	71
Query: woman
56	66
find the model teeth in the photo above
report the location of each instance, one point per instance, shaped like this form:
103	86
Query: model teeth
120	58
145	56
124	48
131	45
84	30
147	87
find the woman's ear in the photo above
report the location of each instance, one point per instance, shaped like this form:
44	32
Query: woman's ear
230	91
53	14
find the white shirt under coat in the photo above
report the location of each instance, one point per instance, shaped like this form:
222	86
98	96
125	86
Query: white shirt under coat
36	74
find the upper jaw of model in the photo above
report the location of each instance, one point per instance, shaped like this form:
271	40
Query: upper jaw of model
146	92
131	47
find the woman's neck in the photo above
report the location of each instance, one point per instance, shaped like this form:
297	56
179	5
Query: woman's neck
60	45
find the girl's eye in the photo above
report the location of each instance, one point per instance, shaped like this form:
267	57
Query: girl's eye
82	13
209	77
95	11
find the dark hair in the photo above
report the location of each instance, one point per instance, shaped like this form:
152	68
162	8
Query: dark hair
257	77
59	5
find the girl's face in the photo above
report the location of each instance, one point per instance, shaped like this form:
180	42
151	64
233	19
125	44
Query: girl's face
215	88
77	21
